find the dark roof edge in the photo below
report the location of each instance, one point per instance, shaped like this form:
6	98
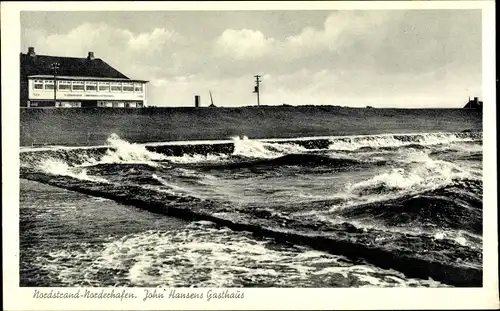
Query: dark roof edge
114	69
110	70
85	78
37	55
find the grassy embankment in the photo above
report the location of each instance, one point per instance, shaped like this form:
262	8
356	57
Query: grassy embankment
92	126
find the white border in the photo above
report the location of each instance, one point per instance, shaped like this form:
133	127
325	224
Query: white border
16	298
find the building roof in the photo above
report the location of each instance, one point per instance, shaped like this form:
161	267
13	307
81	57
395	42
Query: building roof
474	105
58	77
68	66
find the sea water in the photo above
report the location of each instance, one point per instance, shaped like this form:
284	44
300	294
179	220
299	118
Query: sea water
243	212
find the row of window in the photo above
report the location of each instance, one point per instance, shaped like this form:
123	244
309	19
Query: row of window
89	86
119	104
68	104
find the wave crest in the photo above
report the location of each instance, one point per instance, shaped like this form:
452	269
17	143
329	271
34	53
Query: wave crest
59	167
399	140
123	151
253	148
423	173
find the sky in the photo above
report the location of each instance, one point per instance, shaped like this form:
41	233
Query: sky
381	58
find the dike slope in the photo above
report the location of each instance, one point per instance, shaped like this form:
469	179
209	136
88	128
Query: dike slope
92	126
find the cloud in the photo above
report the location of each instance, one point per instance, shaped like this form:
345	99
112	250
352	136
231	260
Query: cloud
86	37
340	29
106	41
152	41
244	44
138	55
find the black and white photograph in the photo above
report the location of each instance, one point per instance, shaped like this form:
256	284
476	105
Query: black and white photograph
228	149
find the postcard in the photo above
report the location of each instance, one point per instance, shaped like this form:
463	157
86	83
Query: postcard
249	155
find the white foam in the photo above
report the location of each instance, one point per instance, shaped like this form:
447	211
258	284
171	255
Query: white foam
286	148
463	146
120	151
418	174
423	173
200	255
352	143
59	167
243	147
125	152
252	148
460	237
428	137
197	158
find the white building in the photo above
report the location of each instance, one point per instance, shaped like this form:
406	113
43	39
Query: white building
80	82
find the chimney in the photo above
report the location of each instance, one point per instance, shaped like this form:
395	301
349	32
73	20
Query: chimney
197	101
91	56
31	51
476	99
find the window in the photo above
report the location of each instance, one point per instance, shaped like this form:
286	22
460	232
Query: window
116	87
128	87
48	84
64	85
91	86
103	104
137	87
78	86
103	86
38	84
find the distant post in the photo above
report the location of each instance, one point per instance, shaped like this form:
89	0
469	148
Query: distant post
257	88
55	66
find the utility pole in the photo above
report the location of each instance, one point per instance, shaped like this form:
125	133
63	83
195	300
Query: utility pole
55	66
257	88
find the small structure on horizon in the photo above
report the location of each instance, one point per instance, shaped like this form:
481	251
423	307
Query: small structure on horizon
211	100
256	88
197	101
474	104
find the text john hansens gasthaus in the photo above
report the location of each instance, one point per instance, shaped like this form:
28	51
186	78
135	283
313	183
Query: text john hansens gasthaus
148	294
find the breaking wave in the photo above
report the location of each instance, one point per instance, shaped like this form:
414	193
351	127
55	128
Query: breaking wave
59	167
394	140
242	148
118	150
423	173
454	206
121	151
